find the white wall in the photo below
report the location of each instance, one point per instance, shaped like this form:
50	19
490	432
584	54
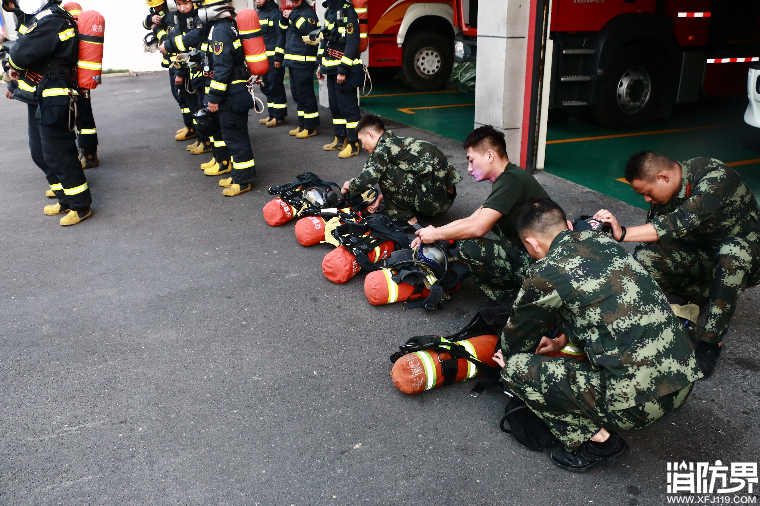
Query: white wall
124	32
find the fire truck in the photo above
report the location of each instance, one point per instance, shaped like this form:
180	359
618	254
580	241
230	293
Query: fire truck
416	37
631	60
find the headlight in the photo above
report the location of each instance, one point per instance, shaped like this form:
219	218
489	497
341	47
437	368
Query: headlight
459	49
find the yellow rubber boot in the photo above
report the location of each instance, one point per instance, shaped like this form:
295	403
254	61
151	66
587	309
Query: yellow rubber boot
202	148
75	217
225	183
219	168
272	123
185	134
295	131
50	194
181	130
194	145
206	165
337	144
236	189
264	121
305	133
351	149
54	209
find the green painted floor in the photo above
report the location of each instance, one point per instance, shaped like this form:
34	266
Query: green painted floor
710	128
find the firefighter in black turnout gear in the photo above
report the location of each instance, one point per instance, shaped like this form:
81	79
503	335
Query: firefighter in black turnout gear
227	96
273	27
42	67
301	59
339	62
183	37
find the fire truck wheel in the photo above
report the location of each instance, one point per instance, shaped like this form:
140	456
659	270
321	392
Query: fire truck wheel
427	61
629	93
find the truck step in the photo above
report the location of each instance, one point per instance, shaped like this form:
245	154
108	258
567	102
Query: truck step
571	103
578	51
567	79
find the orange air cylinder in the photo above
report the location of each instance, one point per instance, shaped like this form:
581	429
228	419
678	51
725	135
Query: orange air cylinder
380	288
360	6
73	8
419	371
91	26
253	43
340	265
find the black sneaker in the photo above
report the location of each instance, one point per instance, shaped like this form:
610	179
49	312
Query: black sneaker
591	454
707	355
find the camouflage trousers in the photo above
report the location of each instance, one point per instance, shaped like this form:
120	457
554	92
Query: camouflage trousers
718	276
567	394
408	204
496	266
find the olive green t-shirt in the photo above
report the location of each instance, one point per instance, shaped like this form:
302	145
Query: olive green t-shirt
513	188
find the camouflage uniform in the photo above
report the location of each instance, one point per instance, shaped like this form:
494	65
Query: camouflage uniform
414	177
708	246
499	265
640	363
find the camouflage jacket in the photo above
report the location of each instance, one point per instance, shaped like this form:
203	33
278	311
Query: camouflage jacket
406	170
713	204
604	301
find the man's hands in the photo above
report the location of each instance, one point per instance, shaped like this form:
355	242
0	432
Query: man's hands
162	49
345	188
212	107
320	77
605	216
178	80
156	20
277	64
9	95
340	79
425	235
13	74
373	207
549	345
498	357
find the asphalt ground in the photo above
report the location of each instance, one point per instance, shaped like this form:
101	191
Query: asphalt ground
175	349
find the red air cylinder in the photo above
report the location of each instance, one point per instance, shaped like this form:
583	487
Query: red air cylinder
380	288
253	43
360	6
340	264
278	212
310	230
73	8
416	372
91	26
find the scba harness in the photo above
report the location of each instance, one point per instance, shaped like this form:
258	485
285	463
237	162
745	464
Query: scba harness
421	278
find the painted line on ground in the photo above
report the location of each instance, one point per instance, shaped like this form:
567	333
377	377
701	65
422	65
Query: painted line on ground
743	162
407	94
408	110
636	134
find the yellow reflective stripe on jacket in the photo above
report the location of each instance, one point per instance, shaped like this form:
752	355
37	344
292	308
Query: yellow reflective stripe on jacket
329	25
22	29
75	191
298	57
256	57
204	47
236	44
239	81
279	50
10	60
284	27
330	63
270	53
242	165
90	65
161	34
57	92
218	86
300	22
178	42
24	86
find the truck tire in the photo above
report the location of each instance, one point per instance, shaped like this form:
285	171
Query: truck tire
427	60
630	91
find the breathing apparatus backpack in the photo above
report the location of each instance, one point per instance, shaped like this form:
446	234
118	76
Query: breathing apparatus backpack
311	196
91	26
361	245
427	362
249	29
423	277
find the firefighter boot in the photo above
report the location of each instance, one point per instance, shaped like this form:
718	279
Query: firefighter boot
202	148
50	194
89	158
185	134
219	168
305	133
236	189
194	145
181	130
225	183
75	217
54	209
351	149
209	164
264	121
336	145
295	131
272	123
